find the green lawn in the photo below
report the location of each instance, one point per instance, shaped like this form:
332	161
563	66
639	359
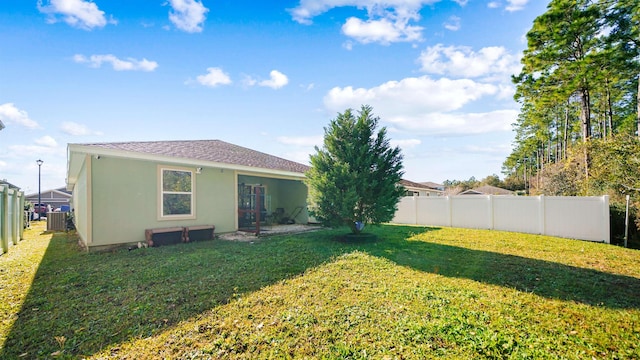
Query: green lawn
415	292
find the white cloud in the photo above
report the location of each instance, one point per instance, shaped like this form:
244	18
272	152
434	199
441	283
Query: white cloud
309	141
187	15
461	2
405	143
129	64
506	91
276	81
387	20
248	81
515	5
214	77
455	124
427	106
77	13
383	31
462	61
47	141
512	5
40	150
75	129
308	9
453	23
10	114
301	156
416	95
495	149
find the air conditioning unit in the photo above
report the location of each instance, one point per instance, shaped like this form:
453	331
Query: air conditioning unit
56	221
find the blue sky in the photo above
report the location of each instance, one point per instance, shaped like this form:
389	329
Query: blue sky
268	75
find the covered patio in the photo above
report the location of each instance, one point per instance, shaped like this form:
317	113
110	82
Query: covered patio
266	202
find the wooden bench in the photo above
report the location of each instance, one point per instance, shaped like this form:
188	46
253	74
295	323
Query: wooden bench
199	233
164	236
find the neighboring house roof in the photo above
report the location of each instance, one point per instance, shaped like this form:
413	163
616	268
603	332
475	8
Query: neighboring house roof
62	192
433	185
407	183
215	153
1	125
417	186
451	191
487	190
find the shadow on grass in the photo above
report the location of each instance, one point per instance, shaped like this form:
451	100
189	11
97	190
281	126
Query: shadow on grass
80	303
544	278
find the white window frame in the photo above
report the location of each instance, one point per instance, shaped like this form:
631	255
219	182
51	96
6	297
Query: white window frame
161	193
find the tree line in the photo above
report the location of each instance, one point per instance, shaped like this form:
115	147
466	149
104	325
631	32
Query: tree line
579	93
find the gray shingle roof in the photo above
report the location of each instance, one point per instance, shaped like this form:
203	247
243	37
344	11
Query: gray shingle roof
405	182
487	190
433	185
207	150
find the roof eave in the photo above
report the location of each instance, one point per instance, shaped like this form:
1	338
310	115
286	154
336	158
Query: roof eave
75	151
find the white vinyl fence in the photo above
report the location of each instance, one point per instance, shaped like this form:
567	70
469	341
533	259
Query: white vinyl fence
11	217
574	217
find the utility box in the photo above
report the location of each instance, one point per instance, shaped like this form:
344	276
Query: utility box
56	221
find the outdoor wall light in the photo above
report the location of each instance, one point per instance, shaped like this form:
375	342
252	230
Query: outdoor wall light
198	170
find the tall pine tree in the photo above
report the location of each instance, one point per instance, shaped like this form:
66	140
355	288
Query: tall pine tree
557	62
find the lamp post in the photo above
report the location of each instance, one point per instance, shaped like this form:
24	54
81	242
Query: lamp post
39	162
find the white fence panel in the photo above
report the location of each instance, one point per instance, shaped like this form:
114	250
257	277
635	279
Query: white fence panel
406	213
517	213
436	212
585	218
11	219
581	218
470	212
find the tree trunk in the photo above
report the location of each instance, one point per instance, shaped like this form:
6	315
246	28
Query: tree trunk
585	117
609	110
566	131
585	114
638	102
558	145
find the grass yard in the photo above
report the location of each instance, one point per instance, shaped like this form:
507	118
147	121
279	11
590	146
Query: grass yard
415	292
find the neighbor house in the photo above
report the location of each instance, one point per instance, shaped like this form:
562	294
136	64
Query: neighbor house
122	189
419	189
57	198
487	190
433	185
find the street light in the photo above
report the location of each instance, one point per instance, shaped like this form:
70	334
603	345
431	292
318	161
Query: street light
39	162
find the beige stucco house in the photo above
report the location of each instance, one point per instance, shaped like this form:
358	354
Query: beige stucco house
121	189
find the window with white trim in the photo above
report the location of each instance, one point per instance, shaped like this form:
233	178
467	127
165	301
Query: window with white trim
176	193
